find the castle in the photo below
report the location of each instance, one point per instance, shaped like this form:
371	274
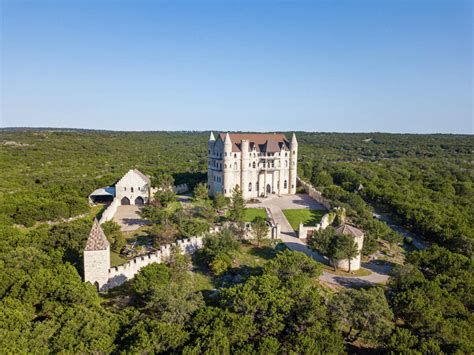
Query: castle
258	163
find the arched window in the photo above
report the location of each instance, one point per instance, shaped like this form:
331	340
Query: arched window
131	189
235	166
250	186
285	184
286	154
253	165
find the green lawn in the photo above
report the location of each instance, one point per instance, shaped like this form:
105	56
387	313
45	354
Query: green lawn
251	213
303	215
116	259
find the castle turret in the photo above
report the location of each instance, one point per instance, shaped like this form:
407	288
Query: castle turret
97	257
228	165
293	164
210	153
245	168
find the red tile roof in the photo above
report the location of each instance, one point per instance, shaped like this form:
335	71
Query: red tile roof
97	239
349	230
264	142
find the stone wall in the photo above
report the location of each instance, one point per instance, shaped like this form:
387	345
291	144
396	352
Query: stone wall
315	194
119	274
109	212
326	221
181	189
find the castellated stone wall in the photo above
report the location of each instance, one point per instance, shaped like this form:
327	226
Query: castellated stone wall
117	275
109	212
326	221
315	194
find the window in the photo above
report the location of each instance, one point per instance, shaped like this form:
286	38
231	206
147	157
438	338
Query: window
131	189
286	163
285	184
273	164
256	186
253	165
225	166
225	153
250	165
235	155
286	154
250	186
294	152
209	151
235	166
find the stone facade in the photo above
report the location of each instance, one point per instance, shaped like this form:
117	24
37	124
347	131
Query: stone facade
97	257
133	188
259	164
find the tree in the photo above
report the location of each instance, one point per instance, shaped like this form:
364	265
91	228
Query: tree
365	311
237	206
220	202
260	229
342	247
200	192
321	240
165	189
114	235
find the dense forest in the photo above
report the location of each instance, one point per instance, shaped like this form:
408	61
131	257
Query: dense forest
278	307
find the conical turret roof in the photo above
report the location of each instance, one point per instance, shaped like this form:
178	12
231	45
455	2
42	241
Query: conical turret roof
211	137
97	239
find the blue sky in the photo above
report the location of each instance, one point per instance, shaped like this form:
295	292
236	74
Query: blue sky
340	65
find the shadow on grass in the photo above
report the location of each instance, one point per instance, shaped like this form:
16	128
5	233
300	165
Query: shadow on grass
264	252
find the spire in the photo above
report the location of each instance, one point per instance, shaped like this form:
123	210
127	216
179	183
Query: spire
211	137
227	138
293	138
97	239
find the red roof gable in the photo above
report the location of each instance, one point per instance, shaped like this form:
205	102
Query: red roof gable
264	142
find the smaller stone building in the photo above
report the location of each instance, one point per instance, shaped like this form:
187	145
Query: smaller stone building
133	188
97	257
358	236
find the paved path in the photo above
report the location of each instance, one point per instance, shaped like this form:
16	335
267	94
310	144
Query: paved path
288	236
128	218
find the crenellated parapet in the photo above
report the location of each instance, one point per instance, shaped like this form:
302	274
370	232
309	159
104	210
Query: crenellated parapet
106	277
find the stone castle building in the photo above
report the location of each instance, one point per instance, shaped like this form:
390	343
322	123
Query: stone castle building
133	188
260	164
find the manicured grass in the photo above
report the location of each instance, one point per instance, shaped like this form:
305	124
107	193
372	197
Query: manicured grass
251	213
116	259
303	215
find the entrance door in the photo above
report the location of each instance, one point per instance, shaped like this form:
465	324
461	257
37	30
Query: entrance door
269	189
139	201
125	201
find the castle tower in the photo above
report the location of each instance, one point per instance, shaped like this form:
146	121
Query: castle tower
293	164
228	166
245	169
210	176
97	257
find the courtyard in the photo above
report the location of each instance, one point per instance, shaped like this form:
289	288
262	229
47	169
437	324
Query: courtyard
128	217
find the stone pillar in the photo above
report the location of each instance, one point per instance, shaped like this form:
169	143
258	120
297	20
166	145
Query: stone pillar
244	171
293	165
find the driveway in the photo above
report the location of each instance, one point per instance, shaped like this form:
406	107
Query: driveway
128	218
288	236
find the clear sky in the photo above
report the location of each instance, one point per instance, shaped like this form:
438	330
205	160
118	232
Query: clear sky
340	65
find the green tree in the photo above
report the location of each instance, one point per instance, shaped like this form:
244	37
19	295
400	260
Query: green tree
220	202
200	192
114	235
365	311
237	206
260	229
165	189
